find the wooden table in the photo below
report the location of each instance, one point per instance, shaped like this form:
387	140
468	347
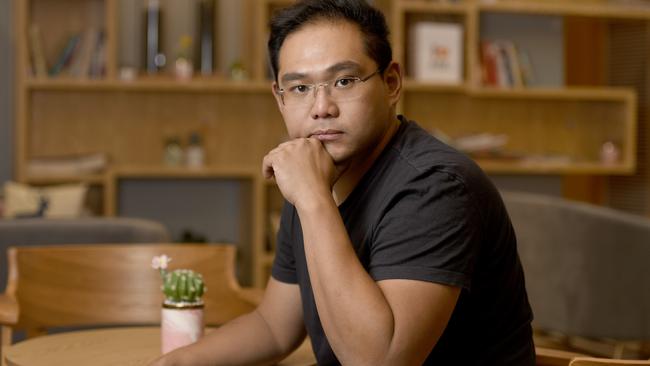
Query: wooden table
131	346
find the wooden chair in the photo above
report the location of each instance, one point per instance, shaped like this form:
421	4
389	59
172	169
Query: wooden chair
590	361
554	357
99	285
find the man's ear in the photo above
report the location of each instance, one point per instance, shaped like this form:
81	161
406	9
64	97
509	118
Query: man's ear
393	79
278	99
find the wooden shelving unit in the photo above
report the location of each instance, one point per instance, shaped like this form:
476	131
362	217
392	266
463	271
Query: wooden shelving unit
541	123
163	84
239	120
99	179
589	8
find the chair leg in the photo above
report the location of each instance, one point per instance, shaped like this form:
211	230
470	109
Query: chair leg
5	340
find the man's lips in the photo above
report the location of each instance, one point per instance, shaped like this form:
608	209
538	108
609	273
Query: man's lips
326	135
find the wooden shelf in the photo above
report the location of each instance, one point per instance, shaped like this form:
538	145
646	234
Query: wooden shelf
423	86
146	171
162	84
423	6
571	93
542	168
97	179
279	3
611	9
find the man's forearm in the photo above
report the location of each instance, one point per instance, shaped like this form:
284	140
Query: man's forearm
247	340
356	317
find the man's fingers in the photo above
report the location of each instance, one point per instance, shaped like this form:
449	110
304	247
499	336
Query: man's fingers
288	147
267	167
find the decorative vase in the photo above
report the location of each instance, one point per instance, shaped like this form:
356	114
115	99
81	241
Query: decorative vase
181	324
183	69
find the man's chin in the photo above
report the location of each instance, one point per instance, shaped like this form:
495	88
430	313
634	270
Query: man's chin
338	156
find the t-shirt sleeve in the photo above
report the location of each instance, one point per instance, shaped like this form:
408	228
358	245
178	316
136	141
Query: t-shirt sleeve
284	264
429	231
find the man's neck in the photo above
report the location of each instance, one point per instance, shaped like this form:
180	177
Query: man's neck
354	171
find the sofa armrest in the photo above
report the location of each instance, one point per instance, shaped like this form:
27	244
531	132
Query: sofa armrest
8	310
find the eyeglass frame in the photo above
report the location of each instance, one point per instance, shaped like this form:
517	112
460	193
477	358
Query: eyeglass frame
313	87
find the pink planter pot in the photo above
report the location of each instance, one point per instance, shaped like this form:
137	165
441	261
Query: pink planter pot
181	325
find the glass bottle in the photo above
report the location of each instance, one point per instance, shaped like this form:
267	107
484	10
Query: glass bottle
195	156
173	155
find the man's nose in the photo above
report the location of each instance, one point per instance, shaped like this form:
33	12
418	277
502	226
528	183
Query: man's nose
324	106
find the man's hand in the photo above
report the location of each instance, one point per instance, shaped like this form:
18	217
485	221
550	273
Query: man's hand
302	168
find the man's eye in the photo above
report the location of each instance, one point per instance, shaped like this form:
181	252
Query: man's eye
299	89
345	82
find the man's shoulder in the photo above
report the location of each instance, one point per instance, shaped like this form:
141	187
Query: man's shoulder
419	152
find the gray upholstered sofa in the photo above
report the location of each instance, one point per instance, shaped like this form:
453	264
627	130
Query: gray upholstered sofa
587	267
38	231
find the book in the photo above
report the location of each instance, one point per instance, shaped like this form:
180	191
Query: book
527	70
65	55
504	65
154	59
509	68
511	54
488	64
436	52
503	69
80	65
206	37
39	66
480	142
98	58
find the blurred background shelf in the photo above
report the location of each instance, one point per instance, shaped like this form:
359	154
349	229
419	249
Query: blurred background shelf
596	94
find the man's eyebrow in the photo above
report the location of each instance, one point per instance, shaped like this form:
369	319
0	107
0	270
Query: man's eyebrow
293	76
344	66
337	67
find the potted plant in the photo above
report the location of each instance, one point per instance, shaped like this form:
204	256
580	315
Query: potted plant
182	308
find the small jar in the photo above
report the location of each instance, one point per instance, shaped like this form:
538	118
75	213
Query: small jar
610	154
173	155
183	69
195	156
181	324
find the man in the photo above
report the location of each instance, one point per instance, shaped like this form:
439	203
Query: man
394	249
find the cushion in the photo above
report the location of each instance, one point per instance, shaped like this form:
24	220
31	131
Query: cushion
61	201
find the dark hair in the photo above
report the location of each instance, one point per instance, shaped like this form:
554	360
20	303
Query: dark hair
371	23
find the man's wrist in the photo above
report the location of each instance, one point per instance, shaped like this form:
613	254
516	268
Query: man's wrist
315	203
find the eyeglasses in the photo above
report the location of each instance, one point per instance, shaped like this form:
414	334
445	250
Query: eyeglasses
340	89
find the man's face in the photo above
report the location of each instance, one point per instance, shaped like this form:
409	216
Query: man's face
320	53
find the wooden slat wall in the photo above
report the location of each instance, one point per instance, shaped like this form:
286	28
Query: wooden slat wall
628	51
585	65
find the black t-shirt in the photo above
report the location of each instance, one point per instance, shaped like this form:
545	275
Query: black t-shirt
426	212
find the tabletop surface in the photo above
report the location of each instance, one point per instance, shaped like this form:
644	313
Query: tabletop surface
130	346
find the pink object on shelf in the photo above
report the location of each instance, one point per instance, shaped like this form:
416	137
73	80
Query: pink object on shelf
180	327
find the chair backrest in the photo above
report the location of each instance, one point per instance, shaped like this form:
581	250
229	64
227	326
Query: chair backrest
84	285
554	357
586	266
86	230
590	361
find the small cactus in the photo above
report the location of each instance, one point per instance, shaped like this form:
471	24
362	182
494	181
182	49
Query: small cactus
183	285
179	285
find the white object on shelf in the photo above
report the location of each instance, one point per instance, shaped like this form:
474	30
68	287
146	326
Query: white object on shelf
436	51
194	155
67	165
